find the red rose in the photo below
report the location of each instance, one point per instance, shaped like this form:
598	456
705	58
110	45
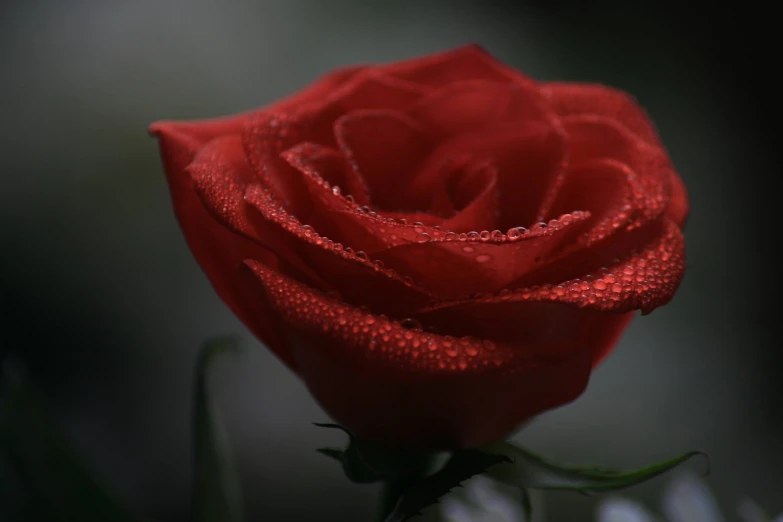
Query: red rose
441	247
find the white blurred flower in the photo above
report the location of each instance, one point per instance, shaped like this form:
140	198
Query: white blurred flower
686	499
481	501
619	509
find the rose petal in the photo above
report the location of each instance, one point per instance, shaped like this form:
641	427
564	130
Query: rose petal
383	147
569	99
596	137
218	249
477	197
220	176
265	137
183	139
349	273
469	106
366	91
643	278
470	62
530	323
458	265
413	389
252	211
530	159
603	187
334	215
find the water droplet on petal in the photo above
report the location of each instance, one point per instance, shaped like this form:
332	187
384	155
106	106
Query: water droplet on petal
538	226
483	258
336	190
410	323
468	249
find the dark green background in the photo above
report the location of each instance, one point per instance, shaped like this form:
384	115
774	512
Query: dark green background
102	300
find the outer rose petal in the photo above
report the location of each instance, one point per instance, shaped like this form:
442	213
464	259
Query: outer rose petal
412	389
221	178
216	248
619	278
461	265
569	99
470	62
181	140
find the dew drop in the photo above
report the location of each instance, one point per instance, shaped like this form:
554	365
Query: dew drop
539	226
350	199
410	324
468	249
599	285
336	190
473	236
361	255
513	233
485	235
423	238
483	258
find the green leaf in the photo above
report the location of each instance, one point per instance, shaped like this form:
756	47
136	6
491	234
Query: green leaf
50	480
461	466
365	462
216	492
529	470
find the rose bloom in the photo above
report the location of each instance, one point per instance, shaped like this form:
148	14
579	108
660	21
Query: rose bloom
442	247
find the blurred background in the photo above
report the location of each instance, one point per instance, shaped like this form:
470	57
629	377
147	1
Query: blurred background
103	303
